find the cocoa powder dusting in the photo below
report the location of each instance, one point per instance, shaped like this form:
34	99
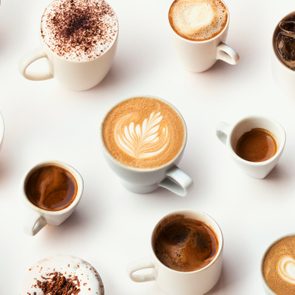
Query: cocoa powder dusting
79	26
57	284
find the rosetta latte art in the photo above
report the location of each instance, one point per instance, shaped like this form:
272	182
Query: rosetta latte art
144	140
286	269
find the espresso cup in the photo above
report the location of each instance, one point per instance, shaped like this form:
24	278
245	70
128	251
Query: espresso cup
199	56
283	75
229	135
148	178
277	267
38	216
175	282
74	73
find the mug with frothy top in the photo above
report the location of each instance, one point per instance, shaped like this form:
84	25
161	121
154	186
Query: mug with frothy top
200	29
143	139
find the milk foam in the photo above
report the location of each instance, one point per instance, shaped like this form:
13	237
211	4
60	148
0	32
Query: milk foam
144	140
79	30
198	19
90	282
286	269
143	132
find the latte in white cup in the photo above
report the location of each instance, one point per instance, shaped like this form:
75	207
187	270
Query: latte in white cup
143	140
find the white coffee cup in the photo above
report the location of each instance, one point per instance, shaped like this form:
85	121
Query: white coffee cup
284	76
199	56
175	282
146	180
75	75
230	134
37	217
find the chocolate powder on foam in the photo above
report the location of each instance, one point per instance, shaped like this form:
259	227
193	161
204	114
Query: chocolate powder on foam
57	284
79	27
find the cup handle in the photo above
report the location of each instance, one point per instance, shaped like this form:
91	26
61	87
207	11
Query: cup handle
222	131
227	54
34	223
27	61
176	181
142	277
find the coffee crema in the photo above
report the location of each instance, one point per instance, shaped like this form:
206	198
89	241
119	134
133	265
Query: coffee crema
51	188
143	132
79	30
256	145
279	266
284	41
185	244
198	20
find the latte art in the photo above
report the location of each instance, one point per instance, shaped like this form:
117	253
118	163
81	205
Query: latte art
143	132
286	269
279	266
142	140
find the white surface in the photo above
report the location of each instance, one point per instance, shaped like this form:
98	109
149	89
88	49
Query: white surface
111	228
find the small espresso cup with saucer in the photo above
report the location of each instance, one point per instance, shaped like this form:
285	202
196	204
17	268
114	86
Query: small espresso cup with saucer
52	190
199	51
143	139
278	267
238	137
283	56
76	43
189	230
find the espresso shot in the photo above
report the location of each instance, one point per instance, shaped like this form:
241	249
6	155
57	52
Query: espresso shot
51	188
256	145
185	244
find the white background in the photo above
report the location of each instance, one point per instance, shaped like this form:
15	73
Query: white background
112	227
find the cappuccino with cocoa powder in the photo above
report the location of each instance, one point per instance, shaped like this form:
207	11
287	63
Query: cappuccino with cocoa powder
143	132
79	30
198	20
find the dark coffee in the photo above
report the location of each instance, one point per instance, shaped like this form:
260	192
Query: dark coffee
284	41
185	244
257	145
51	188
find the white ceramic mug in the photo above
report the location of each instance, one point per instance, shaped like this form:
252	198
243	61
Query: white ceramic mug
284	76
199	56
175	282
75	75
37	217
230	134
146	180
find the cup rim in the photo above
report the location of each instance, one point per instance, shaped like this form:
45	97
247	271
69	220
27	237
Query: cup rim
263	258
77	176
47	48
273	43
2	129
262	163
117	162
201	41
191	212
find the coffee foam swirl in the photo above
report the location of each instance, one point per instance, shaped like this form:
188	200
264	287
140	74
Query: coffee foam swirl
143	132
286	269
198	20
144	140
279	266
